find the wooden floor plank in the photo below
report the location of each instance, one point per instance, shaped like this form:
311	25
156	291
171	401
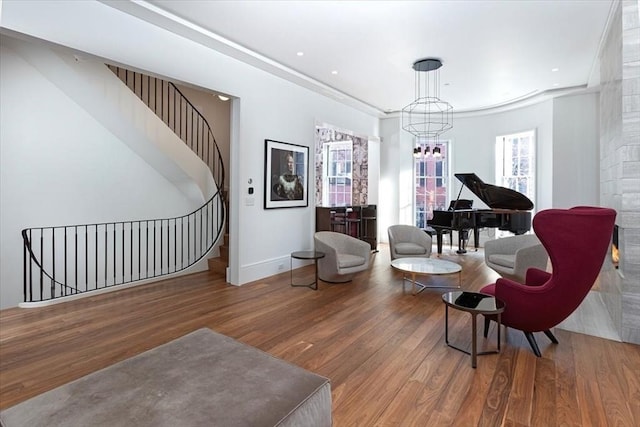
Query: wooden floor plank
520	401
382	348
566	397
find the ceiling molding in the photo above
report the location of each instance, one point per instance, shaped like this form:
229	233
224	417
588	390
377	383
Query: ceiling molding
148	12
594	72
163	19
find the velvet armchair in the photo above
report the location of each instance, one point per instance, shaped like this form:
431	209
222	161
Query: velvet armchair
577	241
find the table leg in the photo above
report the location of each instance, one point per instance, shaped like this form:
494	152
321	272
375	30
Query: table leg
474	339
315	261
499	318
446	324
312	285
413	283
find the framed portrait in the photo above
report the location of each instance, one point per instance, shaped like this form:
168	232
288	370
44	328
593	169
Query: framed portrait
286	175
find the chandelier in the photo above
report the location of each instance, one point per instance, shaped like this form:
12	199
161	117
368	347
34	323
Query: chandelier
427	117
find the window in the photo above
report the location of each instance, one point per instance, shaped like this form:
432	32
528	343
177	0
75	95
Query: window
516	162
337	161
430	173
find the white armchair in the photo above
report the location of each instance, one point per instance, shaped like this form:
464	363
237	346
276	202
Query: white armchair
344	256
512	256
408	241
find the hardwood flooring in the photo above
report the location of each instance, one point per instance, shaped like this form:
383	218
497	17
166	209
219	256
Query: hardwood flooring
382	348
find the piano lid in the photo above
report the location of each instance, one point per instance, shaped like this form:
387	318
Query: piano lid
495	197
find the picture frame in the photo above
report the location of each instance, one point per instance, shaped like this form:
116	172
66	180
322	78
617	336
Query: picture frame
286	175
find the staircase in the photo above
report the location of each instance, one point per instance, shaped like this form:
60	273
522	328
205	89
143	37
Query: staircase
218	265
68	260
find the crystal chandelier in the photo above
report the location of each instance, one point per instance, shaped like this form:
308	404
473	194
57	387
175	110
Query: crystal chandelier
427	117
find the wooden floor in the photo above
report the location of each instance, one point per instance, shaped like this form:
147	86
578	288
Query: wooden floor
382	348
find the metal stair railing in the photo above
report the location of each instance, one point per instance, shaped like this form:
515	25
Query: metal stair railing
67	260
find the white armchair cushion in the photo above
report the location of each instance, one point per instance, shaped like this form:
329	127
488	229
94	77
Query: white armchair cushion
504	260
412	249
347	260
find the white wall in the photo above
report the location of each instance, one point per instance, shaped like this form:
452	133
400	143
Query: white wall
473	141
265	106
60	166
396	176
218	115
576	154
567	153
472	150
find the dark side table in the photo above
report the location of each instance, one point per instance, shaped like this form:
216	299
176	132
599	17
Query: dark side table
474	303
306	255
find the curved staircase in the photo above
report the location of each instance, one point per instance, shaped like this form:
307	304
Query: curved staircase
68	260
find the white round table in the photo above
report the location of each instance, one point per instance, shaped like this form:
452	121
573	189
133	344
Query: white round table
426	266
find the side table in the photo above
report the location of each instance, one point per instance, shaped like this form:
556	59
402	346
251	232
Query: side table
306	255
474	303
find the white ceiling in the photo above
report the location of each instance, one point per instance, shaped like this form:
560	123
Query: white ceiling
493	52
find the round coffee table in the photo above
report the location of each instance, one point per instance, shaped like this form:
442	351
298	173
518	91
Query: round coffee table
426	266
474	303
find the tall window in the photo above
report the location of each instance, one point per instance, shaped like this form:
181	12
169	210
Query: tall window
337	160
516	162
431	173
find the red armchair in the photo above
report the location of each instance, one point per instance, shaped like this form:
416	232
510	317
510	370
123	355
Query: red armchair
577	241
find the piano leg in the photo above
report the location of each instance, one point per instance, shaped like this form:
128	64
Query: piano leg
463	237
476	237
439	240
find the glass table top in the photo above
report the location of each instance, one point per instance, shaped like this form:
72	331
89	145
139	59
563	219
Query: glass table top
425	266
473	301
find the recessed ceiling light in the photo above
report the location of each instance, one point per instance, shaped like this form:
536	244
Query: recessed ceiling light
334	72
223	98
555	69
556	84
300	53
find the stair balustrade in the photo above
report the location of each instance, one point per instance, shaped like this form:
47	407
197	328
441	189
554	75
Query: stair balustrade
62	261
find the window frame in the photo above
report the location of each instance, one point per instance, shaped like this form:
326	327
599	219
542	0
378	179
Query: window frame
331	197
505	158
425	170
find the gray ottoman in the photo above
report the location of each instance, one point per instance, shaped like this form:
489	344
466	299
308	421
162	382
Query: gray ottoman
200	379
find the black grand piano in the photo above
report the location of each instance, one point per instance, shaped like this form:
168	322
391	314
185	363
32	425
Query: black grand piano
509	210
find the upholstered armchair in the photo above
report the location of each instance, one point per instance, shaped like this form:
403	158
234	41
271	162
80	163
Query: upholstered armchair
408	241
512	256
344	256
577	241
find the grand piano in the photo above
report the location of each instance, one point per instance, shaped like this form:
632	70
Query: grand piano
509	210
